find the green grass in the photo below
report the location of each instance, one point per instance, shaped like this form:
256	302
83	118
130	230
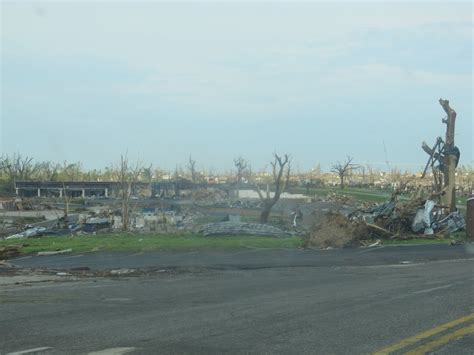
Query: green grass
415	241
367	195
457	237
141	242
364	194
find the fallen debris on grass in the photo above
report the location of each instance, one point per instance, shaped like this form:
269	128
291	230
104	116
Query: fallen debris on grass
54	252
31	232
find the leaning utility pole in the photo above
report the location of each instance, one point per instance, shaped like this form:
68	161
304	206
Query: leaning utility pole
450	156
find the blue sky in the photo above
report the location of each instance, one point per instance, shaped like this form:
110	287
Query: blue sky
87	81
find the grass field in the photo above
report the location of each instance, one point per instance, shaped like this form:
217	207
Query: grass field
364	194
360	194
141	242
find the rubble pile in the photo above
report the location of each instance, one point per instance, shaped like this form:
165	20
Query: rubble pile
339	198
240	228
343	200
247	204
401	219
209	197
393	219
15	204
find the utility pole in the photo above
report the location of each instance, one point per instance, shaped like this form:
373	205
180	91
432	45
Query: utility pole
450	156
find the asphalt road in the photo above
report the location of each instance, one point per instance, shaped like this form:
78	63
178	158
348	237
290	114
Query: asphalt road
253	301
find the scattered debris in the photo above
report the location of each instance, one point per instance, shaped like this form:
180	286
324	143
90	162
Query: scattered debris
31	232
121	271
54	252
368	245
95	224
15	204
5	264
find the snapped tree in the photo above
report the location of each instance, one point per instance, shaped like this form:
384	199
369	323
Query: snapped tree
343	169
281	168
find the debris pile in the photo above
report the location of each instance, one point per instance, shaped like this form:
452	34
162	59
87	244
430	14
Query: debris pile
390	220
209	197
339	198
401	219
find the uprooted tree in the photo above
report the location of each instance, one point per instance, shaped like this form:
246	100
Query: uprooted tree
281	168
343	169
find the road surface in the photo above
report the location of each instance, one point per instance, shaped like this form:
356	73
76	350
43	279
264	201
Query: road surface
360	301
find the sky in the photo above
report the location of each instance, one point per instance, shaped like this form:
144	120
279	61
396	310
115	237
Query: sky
88	81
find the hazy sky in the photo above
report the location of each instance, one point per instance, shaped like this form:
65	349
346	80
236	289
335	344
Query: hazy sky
86	81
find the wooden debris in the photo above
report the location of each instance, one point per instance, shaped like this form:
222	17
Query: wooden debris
10	251
54	252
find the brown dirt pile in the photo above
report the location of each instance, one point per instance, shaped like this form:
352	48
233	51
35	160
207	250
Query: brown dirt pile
337	231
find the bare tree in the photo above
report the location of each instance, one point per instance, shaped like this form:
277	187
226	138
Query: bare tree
192	169
67	200
47	171
281	167
17	167
343	169
127	177
71	171
241	166
147	174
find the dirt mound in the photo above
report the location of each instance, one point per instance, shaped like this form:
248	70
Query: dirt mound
337	231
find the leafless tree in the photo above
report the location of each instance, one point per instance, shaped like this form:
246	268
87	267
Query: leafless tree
47	171
241	166
127	176
281	167
71	171
343	169
192	169
17	167
147	174
67	200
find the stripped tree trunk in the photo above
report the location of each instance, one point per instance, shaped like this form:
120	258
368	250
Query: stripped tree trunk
450	159
281	176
